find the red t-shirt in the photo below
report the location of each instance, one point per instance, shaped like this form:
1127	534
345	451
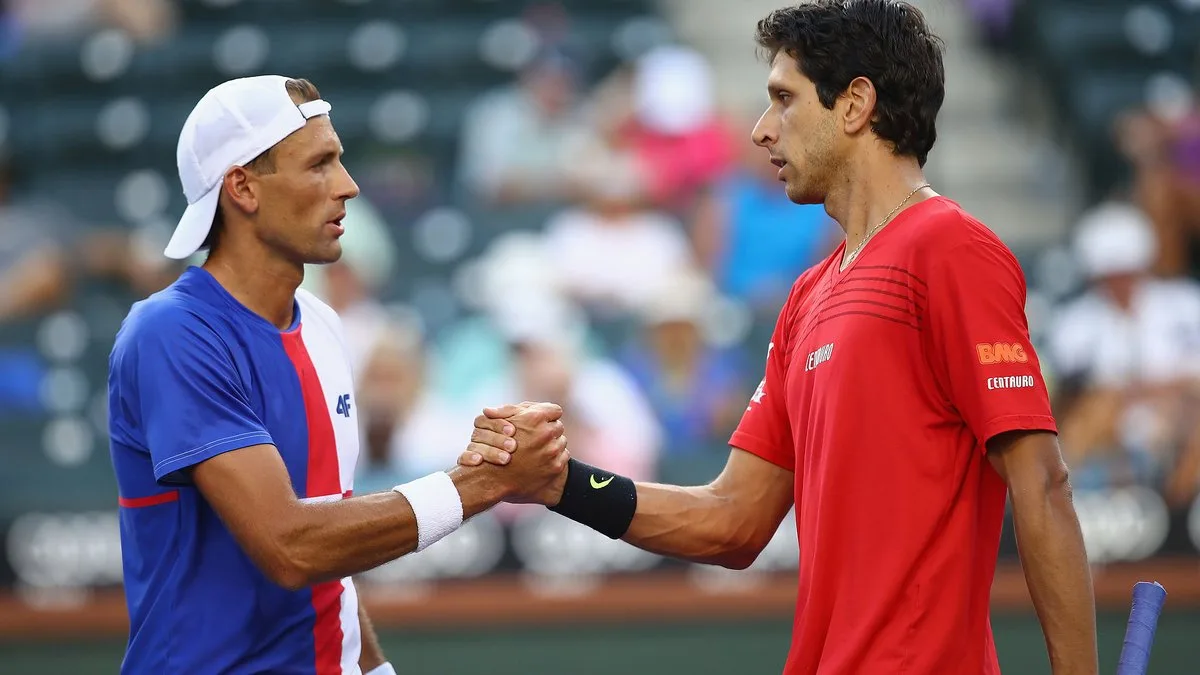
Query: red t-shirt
883	383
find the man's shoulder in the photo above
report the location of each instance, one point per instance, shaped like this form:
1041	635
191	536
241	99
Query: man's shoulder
159	329
166	310
945	225
949	241
807	280
802	290
168	314
314	310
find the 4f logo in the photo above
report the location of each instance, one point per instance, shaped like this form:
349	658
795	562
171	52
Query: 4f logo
343	405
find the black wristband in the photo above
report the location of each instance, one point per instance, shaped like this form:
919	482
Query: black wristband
601	500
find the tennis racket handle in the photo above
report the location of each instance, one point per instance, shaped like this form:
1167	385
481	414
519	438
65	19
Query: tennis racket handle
1148	600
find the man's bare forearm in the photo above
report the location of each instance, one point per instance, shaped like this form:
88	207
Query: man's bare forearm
339	539
1057	572
691	523
703	525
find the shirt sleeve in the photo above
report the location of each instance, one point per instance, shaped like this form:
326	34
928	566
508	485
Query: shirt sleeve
980	335
192	402
764	429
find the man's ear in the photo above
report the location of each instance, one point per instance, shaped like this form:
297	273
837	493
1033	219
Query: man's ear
859	108
241	188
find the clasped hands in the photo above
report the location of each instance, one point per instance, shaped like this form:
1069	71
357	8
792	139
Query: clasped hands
523	447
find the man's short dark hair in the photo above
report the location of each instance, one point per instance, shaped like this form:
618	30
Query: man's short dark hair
885	41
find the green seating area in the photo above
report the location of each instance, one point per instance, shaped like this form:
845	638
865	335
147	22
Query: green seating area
1098	58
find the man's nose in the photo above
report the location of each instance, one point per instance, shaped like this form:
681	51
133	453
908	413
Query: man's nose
349	189
765	131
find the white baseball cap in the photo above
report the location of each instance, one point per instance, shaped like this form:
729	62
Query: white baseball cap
1115	238
232	124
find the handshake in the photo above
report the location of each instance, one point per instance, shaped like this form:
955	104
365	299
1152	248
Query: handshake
522	451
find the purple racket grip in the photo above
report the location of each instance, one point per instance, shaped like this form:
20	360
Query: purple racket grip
1148	600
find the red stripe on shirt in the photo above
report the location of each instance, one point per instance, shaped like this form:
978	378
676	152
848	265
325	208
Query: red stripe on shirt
323	479
327	633
152	500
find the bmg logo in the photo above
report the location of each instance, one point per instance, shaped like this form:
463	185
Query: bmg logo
1001	352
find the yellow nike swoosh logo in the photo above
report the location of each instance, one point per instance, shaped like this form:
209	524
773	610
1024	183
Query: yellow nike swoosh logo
600	483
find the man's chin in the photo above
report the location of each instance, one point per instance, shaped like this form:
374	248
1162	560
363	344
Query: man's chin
799	194
328	254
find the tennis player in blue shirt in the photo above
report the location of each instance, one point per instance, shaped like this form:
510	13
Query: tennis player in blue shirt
234	433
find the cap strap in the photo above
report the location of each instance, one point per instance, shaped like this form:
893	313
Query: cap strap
314	108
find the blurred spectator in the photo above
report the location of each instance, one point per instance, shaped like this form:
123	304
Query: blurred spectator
609	252
753	240
608	421
146	21
697	391
1129	352
10	32
352	285
518	143
1163	144
993	18
44	250
672	129
35	275
407	431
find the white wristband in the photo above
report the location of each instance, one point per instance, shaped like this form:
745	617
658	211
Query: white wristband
437	504
385	669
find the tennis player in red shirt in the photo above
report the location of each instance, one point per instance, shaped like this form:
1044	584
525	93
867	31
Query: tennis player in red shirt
902	399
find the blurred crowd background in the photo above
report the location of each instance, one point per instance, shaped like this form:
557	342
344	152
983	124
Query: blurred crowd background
560	201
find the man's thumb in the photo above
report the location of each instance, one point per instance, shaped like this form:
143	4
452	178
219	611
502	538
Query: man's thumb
502	412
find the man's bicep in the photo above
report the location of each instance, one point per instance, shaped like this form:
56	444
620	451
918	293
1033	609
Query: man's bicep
1026	458
760	490
251	492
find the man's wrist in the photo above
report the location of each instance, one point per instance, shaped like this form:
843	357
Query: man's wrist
604	501
477	487
437	505
557	488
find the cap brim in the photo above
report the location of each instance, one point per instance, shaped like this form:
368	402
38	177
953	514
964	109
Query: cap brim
193	227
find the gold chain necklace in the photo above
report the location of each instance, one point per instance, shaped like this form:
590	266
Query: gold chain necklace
857	249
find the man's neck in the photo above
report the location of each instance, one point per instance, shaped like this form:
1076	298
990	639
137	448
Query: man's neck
871	190
263	284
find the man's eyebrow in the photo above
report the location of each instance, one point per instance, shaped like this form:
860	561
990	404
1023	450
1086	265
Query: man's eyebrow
328	154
